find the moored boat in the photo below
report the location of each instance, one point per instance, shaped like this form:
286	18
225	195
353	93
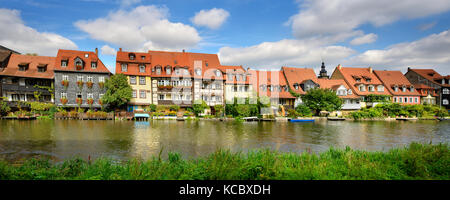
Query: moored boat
335	119
302	120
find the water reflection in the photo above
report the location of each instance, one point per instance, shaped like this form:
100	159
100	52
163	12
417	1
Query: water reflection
61	139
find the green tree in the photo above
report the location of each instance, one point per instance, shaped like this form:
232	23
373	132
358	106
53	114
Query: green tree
4	108
219	110
118	91
303	111
152	108
199	107
319	99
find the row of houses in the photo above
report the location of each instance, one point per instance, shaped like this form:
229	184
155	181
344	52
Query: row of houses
180	78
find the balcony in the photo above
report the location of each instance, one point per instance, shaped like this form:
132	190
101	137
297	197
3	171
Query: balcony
19	88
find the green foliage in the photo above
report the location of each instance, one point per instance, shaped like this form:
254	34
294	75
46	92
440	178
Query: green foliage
199	107
322	99
416	161
118	91
397	110
303	111
219	110
174	108
4	108
245	107
152	108
377	98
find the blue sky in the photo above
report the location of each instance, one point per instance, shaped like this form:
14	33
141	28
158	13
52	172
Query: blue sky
256	34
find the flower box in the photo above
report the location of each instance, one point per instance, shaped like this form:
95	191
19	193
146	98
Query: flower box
79	101
80	84
65	83
101	84
90	101
89	84
64	101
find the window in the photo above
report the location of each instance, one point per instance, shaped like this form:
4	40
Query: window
142	68
133	80
132	56
161	97
168	70
416	100
380	88
64	95
23	67
79	95
185	72
63	63
93	65
86	55
79	78
158	70
349	91
90	79
101	79
445	91
142	80
238	77
404	88
90	95
396	88
230	77
134	95
395	99
65	77
400	99
177	71
142	57
362	88
371	88
406	100
445	102
142	94
218	73
411	89
218	86
410	99
124	67
42	68
244	77
358	80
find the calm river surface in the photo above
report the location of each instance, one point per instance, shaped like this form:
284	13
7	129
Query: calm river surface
61	139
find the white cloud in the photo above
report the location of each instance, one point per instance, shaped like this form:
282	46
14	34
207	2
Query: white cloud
286	52
365	39
212	19
429	52
141	29
324	17
15	35
424	27
107	50
127	3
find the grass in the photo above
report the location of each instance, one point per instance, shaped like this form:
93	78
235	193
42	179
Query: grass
416	161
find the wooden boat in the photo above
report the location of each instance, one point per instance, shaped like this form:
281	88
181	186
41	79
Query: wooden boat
335	119
302	120
250	118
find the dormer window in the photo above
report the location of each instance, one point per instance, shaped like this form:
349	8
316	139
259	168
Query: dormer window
404	88
218	74
42	68
78	63
64	63
396	88
124	67
411	89
380	88
198	72
131	56
296	86
142	57
185	72
230	77
362	88
368	80
86	55
94	65
371	88
350	91
358	80
238	77
443	81
158	70
168	70
142	68
23	67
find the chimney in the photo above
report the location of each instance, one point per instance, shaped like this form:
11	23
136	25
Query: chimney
96	51
183	51
120	49
370	69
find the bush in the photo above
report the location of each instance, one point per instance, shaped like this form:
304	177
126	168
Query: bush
303	111
4	108
152	108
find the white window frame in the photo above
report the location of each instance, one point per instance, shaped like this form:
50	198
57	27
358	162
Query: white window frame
124	67
142	68
90	78
142	94
142	80
101	79
65	77
64	95
90	95
134	94
133	80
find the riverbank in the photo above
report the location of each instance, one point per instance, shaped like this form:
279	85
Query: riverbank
417	161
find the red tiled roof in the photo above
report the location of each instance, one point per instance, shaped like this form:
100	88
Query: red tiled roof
297	76
395	78
235	70
71	55
133	65
33	62
422	90
209	64
269	78
429	74
349	72
334	85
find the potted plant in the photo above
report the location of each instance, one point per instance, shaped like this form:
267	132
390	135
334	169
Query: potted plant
65	83
89	84
101	84
80	84
79	101
79	67
90	101
64	100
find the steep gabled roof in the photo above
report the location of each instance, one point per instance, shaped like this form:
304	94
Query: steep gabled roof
430	75
395	78
71	55
33	62
133	65
235	70
335	84
297	76
349	73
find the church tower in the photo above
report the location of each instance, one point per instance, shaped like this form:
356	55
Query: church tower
323	72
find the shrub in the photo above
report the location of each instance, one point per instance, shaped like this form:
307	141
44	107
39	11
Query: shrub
303	111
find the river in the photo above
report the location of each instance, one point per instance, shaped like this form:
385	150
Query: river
62	139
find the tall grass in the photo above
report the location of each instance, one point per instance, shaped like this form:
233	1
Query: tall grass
416	161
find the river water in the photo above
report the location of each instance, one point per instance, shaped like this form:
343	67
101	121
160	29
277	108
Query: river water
62	139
